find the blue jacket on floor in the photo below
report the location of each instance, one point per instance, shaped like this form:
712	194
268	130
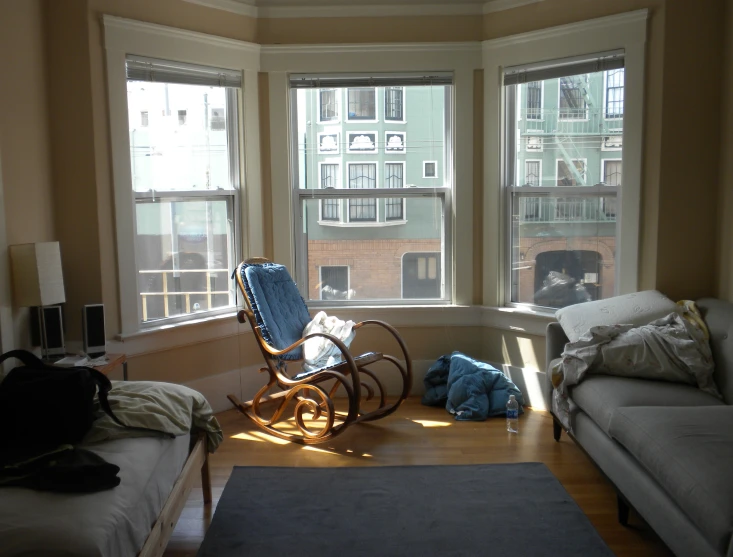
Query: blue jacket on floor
468	388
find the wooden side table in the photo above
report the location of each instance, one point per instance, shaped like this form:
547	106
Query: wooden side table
114	360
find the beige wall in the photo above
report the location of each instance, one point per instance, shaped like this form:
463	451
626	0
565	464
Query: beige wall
725	232
24	134
690	150
78	133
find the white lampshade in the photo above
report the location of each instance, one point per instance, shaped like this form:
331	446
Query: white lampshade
37	276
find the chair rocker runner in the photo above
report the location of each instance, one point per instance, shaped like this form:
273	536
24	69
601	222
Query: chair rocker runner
277	314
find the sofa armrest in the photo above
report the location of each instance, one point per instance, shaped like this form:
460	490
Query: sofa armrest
555	341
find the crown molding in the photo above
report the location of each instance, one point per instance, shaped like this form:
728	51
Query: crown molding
122	24
371	48
568	29
446	8
233	6
500	5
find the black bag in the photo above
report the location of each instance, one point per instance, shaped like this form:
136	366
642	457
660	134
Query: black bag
43	406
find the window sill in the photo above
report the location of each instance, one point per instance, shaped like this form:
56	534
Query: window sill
361	224
168	337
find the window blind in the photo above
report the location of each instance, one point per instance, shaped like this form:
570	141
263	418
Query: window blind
612	60
301	81
149	69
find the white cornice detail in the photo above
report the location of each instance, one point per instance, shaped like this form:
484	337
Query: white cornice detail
233	6
364	10
571	28
372	48
112	22
378	10
501	5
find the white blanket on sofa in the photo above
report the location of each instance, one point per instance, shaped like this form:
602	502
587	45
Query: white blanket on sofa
674	348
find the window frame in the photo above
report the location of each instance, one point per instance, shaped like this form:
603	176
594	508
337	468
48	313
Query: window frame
424	165
123	37
347	186
320	279
539	176
337	99
559	96
403	120
403	218
339	179
605	98
542	103
366	120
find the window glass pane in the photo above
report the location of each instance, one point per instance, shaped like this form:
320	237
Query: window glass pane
393	104
330	179
334	284
380	259
184	256
362	104
394	178
182	144
563	245
328	108
615	94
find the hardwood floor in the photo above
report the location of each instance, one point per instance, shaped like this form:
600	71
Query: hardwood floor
418	435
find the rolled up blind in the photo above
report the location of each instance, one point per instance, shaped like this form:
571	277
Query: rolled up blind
150	69
301	81
612	60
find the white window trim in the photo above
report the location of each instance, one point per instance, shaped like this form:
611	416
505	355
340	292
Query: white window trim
360	151
424	164
585	171
587	108
320	278
538	136
404	143
404	109
542	102
347	186
525	170
403	220
361	120
339	186
627	31
605	98
609	133
603	168
338	143
460	58
337	120
123	36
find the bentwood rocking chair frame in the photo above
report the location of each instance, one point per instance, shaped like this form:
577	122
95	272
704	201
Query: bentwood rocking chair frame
313	392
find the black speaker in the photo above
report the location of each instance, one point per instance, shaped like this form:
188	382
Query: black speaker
51	326
95	338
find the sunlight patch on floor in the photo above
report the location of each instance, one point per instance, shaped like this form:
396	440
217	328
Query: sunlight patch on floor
247	437
270	438
431	423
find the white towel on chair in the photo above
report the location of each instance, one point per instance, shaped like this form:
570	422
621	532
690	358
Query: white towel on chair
319	351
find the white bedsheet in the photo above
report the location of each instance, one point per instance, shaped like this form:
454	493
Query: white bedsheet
112	523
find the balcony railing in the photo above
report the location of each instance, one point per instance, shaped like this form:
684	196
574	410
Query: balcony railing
208	292
566	209
553	121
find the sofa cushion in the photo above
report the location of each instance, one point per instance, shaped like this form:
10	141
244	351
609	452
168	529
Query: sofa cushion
718	316
600	396
689	451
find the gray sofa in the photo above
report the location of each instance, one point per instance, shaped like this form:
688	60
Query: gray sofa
667	447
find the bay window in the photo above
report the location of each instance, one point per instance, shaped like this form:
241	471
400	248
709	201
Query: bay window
562	228
185	187
387	206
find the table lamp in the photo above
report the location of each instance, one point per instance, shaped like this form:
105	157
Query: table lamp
38	282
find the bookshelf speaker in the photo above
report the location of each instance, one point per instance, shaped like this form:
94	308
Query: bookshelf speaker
93	328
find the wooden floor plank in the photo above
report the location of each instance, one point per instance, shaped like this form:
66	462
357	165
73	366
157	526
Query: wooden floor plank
418	435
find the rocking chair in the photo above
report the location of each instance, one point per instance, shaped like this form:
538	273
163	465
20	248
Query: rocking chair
277	314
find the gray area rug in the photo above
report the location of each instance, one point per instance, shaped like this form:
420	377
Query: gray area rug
489	509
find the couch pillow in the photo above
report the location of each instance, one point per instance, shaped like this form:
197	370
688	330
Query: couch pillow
640	308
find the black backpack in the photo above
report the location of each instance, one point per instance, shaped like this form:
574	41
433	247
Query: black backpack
43	407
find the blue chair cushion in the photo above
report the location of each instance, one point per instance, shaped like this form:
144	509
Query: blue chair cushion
277	304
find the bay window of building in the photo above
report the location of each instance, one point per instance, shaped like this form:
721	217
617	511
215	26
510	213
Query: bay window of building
185	187
563	226
357	231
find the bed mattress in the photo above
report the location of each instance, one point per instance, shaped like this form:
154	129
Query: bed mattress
112	523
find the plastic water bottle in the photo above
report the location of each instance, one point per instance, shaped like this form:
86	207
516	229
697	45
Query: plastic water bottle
512	415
